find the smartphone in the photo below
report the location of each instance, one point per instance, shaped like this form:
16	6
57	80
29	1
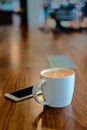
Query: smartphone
20	94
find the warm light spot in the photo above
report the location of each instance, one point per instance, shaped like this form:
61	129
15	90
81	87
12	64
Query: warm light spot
15	50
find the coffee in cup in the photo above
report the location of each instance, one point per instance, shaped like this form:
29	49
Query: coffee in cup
57	86
58	74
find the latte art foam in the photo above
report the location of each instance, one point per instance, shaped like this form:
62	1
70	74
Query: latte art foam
58	74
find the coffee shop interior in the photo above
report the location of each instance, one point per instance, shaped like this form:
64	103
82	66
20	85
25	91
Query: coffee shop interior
37	35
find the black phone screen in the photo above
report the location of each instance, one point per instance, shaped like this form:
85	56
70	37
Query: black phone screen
22	92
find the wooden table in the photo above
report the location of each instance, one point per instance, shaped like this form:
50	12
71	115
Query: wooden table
23	54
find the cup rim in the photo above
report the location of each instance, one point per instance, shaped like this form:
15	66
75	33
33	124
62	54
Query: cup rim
54	69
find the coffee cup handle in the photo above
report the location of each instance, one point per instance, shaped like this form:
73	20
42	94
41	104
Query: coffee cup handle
36	89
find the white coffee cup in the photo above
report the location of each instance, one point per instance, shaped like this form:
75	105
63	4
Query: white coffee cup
57	91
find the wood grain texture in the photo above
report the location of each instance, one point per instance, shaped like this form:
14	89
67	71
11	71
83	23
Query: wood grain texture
23	54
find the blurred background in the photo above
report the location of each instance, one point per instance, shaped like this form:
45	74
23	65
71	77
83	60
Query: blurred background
45	14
